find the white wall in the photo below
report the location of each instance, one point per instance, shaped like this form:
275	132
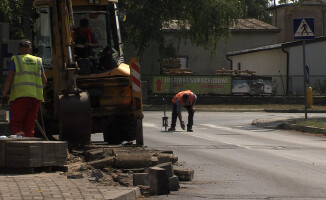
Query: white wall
315	57
265	63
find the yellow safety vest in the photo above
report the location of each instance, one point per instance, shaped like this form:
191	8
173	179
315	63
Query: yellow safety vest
28	79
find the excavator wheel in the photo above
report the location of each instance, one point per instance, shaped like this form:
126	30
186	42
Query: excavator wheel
139	132
75	119
124	128
113	131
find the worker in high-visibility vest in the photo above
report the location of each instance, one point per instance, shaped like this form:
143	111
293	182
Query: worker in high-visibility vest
185	99
26	78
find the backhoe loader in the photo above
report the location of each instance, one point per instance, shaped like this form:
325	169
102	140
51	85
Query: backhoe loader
89	86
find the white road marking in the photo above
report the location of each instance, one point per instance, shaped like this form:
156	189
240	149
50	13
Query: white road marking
217	127
151	125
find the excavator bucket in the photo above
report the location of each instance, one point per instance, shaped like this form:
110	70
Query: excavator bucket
75	124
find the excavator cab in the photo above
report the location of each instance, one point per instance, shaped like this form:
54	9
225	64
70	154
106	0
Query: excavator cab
95	49
90	89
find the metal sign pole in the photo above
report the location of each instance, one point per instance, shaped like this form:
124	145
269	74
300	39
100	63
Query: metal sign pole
305	78
304	29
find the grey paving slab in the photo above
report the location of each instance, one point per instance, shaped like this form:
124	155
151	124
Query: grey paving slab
55	186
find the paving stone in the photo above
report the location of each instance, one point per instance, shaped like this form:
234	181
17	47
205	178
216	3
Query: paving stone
140	179
132	160
163	158
168	168
94	154
183	174
35	186
174	183
158	181
102	163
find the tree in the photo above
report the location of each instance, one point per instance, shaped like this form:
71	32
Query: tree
202	22
10	12
279	2
5	11
256	9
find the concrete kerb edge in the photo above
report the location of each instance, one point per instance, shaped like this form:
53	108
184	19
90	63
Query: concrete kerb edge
280	124
128	194
304	129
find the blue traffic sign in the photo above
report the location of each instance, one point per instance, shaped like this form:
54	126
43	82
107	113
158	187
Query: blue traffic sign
304	29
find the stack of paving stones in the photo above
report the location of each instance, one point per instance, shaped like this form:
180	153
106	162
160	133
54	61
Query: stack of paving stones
155	172
25	154
4	124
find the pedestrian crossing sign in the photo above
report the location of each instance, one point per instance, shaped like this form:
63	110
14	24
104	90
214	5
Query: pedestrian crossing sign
304	29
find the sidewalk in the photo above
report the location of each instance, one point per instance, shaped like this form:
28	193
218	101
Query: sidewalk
56	186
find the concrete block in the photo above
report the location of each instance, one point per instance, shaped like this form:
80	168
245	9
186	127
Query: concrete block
100	164
158	181
5	129
132	160
183	174
154	161
163	158
98	174
174	183
168	168
29	162
94	154
141	179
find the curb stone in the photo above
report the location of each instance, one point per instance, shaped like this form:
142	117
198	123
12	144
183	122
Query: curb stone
280	124
305	129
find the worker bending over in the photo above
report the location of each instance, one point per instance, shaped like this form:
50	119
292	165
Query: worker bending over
185	99
26	78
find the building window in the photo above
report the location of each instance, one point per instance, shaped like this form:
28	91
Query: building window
239	66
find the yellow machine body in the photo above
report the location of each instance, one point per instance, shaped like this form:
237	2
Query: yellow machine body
98	84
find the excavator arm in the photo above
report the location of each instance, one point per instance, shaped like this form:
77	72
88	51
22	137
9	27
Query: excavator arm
78	74
72	106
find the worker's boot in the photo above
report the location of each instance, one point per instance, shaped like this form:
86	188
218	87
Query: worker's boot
189	129
172	128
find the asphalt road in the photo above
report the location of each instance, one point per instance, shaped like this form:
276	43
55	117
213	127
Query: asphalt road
233	159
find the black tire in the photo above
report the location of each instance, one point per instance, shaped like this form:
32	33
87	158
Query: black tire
111	134
139	132
75	119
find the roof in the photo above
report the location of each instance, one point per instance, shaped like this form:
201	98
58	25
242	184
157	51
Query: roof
253	25
244	51
275	46
241	25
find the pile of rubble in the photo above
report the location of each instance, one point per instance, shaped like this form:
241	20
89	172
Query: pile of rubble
155	172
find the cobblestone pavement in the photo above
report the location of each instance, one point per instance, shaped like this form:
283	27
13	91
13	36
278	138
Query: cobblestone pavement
52	186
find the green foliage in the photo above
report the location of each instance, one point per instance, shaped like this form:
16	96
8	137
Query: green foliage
280	2
317	123
5	11
10	12
256	9
206	21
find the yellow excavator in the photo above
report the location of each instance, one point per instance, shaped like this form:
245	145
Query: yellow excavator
90	88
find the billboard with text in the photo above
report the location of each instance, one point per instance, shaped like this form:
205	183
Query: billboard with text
197	84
